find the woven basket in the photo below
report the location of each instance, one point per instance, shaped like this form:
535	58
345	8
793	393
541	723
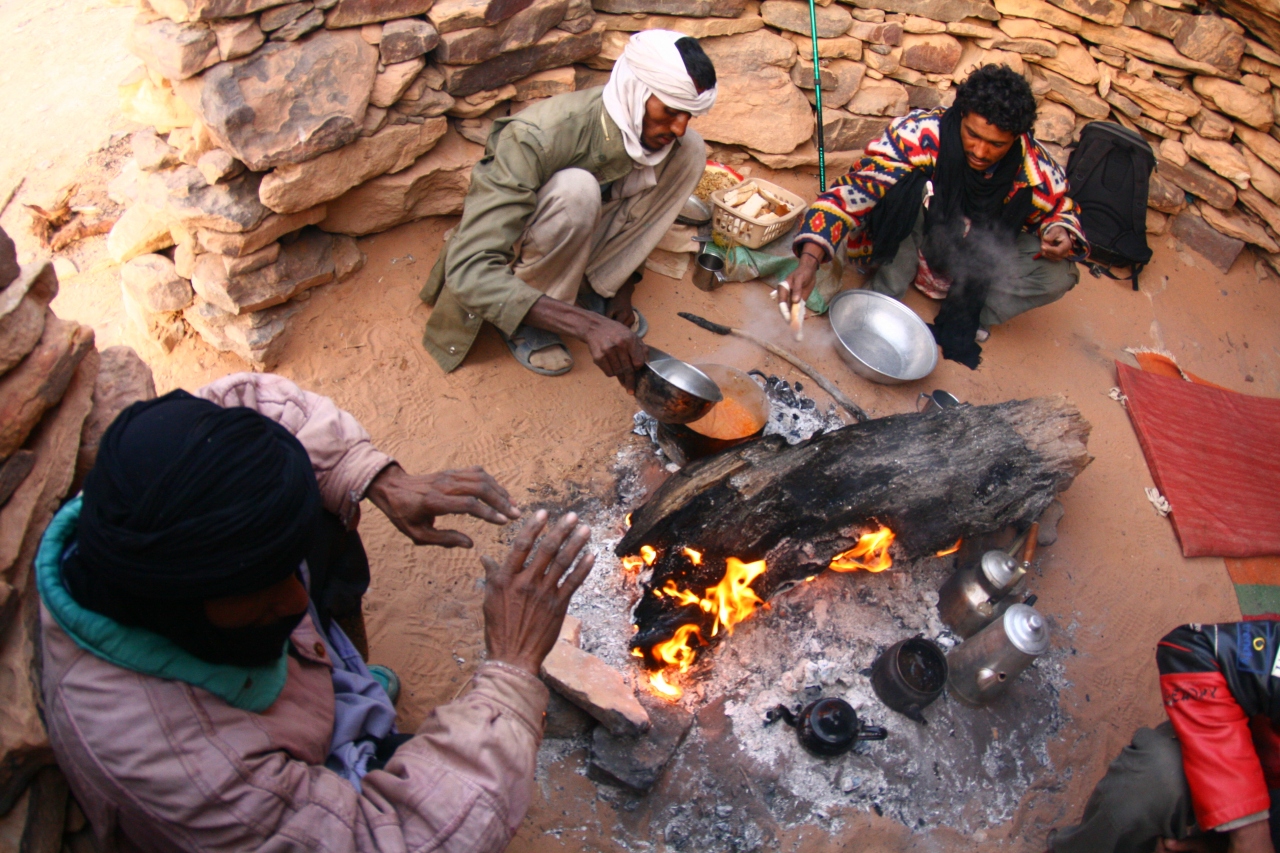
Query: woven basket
738	230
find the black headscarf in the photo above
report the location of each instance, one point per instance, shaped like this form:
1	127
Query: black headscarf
187	502
969	230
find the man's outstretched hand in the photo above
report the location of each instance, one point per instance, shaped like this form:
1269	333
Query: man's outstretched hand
413	502
527	595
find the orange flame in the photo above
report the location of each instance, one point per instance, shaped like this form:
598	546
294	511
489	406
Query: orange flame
646	558
946	552
627	520
870	554
734	598
695	557
677	651
662	688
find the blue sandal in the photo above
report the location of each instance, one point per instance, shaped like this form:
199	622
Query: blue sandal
529	339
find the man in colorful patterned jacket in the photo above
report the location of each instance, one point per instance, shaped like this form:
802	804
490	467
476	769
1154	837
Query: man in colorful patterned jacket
963	195
1207	778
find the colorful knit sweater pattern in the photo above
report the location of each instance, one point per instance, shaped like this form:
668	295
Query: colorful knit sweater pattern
911	142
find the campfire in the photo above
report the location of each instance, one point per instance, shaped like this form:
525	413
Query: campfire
729	602
727	533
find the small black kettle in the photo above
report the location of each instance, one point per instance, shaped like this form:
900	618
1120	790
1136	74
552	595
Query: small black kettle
828	726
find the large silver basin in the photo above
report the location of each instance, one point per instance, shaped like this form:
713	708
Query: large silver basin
882	339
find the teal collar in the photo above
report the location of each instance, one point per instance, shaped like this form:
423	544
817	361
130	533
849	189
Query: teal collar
252	689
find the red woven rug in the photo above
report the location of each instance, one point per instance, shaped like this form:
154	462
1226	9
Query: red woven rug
1215	456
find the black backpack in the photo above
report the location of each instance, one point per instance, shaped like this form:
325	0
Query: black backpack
1109	173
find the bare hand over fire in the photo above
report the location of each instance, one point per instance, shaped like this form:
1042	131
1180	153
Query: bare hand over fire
527	595
1055	243
414	502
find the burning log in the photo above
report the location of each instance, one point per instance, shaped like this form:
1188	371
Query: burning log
726	533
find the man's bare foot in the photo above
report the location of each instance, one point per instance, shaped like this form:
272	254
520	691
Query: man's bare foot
551	358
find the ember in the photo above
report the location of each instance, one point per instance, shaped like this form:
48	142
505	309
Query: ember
947	552
645	558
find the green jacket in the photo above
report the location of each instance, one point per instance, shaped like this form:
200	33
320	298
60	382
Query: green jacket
472	279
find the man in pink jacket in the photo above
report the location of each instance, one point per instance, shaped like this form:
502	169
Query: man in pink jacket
199	694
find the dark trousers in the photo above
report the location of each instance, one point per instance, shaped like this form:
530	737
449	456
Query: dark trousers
1142	798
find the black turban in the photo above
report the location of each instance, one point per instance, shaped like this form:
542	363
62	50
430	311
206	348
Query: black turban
191	501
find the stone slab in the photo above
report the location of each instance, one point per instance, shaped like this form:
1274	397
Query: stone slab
478	44
208	10
123	379
1218	249
355	13
269	230
39	380
314	258
22	311
450	15
946	11
637	763
698	28
682	8
556	48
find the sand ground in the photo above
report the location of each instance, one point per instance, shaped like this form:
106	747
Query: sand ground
1116	579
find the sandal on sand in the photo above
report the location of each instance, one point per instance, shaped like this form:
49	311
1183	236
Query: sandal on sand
597	304
528	340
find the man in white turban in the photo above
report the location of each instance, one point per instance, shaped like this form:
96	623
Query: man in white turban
571	197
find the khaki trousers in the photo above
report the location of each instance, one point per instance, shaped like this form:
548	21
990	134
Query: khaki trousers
1035	281
573	235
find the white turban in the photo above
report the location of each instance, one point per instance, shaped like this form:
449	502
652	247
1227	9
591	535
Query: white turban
651	65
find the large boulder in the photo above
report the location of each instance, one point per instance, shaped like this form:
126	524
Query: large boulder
880	98
293	188
434	186
289	101
754	80
844	131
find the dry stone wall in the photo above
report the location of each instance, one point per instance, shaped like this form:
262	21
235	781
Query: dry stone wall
277	131
58	394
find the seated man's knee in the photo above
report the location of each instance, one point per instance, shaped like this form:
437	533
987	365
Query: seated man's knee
576	193
1152	767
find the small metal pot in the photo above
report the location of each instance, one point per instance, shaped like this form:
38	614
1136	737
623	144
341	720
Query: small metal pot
674	392
909	675
705	267
828	726
976	594
981	667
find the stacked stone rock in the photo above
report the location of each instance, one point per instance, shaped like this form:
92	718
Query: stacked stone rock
58	394
278	125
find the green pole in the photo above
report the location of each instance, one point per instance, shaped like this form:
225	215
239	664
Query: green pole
817	90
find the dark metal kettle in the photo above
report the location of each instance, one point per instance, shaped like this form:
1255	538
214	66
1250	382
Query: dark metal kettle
828	726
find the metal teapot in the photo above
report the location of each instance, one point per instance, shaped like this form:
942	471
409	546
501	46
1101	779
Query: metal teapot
980	669
978	593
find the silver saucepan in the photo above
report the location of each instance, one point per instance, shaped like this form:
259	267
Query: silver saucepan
673	391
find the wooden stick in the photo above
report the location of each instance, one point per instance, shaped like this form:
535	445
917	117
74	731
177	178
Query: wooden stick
803	366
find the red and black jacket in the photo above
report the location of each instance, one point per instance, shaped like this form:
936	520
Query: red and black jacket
1221	689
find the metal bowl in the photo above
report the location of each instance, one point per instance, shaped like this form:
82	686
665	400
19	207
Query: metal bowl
695	212
882	339
673	391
